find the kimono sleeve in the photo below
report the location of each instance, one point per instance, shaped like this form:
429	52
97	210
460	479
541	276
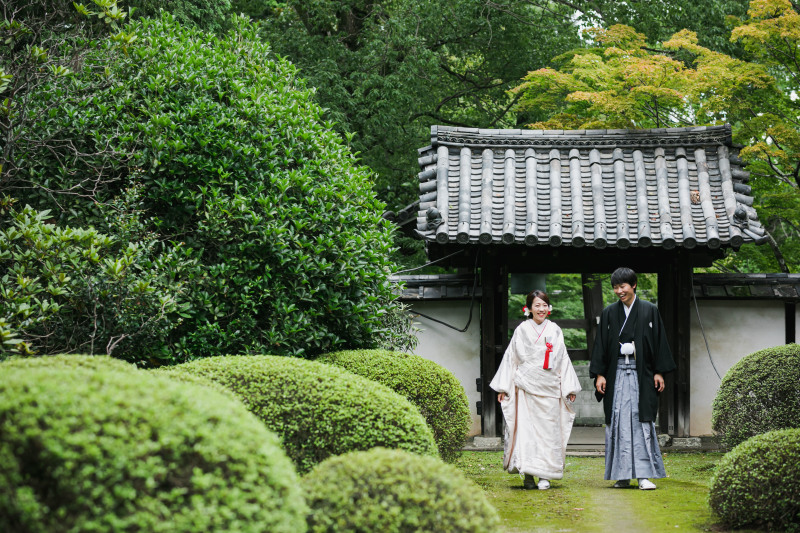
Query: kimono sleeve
570	384
503	380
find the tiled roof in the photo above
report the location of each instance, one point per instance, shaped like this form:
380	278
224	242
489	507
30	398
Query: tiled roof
663	187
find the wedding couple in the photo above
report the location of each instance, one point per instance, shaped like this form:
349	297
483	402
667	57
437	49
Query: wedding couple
537	385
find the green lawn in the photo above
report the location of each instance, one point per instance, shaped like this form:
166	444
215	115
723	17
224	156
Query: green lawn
583	501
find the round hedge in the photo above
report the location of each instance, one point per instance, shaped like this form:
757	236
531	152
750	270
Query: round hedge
318	410
392	491
760	393
757	484
196	379
435	391
130	451
75	361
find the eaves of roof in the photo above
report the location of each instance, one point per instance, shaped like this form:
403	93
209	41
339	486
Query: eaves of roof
667	187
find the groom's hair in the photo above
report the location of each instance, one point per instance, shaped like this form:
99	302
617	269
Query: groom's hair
624	275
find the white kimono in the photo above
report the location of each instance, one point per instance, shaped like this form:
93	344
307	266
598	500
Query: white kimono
537	413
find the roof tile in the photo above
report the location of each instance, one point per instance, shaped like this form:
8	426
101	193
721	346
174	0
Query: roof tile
663	187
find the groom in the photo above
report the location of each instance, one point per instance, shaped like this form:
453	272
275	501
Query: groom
629	360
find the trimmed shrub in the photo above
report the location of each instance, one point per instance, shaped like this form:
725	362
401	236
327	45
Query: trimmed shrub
196	379
318	410
392	491
234	158
757	484
130	451
88	363
760	393
435	391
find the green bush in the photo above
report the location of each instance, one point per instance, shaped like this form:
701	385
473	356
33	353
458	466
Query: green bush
435	391
757	484
760	393
68	289
130	451
235	160
88	363
318	410
394	491
197	379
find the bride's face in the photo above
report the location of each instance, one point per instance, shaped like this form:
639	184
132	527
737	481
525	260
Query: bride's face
539	308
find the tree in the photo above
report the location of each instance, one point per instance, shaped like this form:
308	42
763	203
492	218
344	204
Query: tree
388	70
659	20
237	167
624	82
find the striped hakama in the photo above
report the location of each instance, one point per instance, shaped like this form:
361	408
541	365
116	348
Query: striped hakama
632	450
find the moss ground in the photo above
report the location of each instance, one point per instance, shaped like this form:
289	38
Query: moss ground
584	502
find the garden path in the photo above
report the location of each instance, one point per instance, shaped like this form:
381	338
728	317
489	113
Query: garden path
584	502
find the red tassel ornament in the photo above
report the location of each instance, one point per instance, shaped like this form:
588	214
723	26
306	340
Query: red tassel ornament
546	365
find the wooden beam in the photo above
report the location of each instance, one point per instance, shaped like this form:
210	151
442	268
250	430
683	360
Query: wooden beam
543	258
488	266
674	305
790	313
666	307
501	333
592	307
683	312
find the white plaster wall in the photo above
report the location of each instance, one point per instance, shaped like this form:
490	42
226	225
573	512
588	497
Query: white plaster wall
457	352
733	329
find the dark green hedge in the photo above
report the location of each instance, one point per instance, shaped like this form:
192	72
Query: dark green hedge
760	393
394	491
435	391
318	410
757	484
130	451
87	363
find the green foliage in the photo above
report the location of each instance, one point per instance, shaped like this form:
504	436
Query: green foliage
130	451
757	483
435	391
65	289
627	84
760	393
387	70
658	21
208	15
771	133
257	9
394	491
68	361
397	331
318	410
235	161
203	381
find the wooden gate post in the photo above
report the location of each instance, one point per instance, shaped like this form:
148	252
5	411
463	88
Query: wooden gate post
494	326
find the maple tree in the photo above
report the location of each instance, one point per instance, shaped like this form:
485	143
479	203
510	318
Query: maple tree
624	82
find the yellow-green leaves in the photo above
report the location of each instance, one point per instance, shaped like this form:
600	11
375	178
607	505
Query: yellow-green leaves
628	83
